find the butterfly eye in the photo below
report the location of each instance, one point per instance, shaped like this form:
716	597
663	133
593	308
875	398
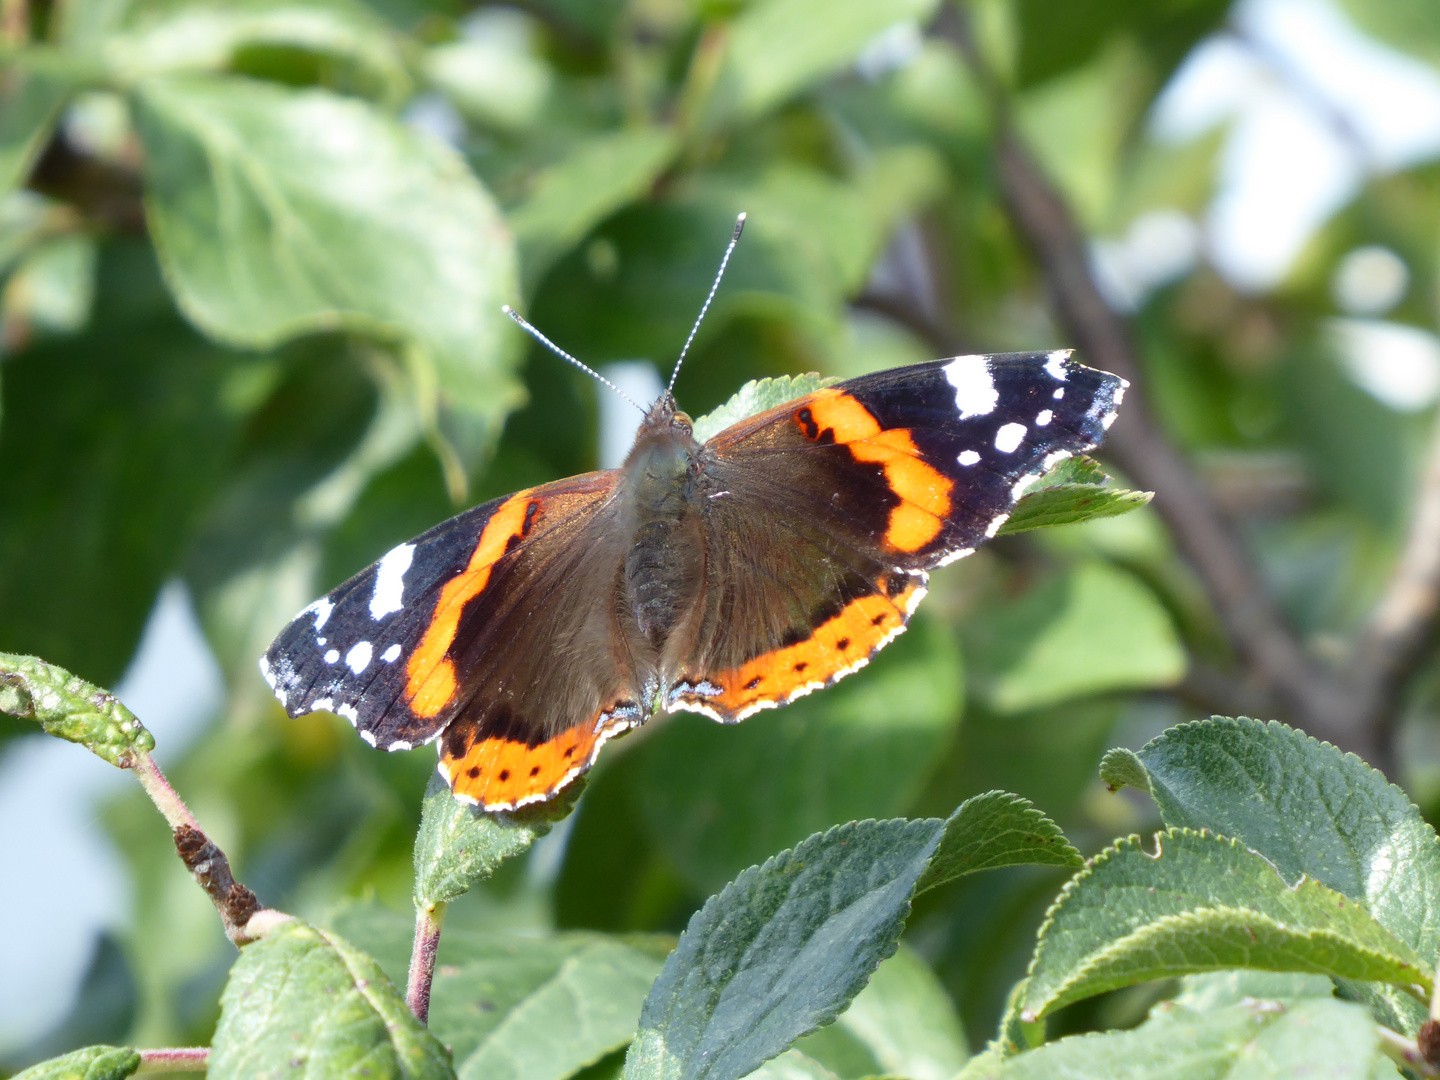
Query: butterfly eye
683	422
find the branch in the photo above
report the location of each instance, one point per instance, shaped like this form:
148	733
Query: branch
1393	642
1268	647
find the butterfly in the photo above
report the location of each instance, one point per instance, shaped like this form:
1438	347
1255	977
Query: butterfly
720	577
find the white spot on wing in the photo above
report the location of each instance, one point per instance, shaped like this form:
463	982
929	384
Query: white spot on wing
398	744
968	457
1019	487
349	712
321	609
1055	364
332	656
1059	395
323	704
1009	438
358	658
368	736
1043	417
266	673
390	581
391	654
952	556
994	526
975	392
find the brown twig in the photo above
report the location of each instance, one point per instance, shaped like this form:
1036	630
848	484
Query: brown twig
428	921
201	856
211	870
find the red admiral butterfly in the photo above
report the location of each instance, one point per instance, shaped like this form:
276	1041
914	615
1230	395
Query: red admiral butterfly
722	577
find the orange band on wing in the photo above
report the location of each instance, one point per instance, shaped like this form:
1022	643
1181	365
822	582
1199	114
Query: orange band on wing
502	774
924	492
837	647
431	683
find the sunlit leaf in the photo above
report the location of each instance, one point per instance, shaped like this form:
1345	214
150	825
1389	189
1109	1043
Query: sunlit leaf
1202	903
279	212
301	995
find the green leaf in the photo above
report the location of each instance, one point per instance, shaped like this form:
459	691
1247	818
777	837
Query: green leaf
92	1063
1073	491
1121	768
1202	903
1309	809
545	1028
34	87
994	830
495	80
1257	1040
779	47
598	176
1222	989
1092	630
279	212
902	1024
302	998
71	708
183	35
459	845
754	397
781	950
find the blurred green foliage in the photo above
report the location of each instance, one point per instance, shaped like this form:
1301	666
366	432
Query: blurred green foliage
252	338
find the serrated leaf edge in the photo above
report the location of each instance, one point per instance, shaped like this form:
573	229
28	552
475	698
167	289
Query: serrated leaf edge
1249	722
1135	841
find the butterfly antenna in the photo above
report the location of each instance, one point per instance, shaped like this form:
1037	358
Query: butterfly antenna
734	239
538	336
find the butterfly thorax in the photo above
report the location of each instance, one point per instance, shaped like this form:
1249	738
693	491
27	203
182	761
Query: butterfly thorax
665	561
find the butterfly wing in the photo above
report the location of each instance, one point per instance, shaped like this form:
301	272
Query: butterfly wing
830	509
496	627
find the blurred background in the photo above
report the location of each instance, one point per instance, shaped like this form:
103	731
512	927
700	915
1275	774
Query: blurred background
253	255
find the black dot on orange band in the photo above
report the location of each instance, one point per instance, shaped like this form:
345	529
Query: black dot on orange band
801	666
878	619
753	683
569	750
504	774
843	644
535	771
473	771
